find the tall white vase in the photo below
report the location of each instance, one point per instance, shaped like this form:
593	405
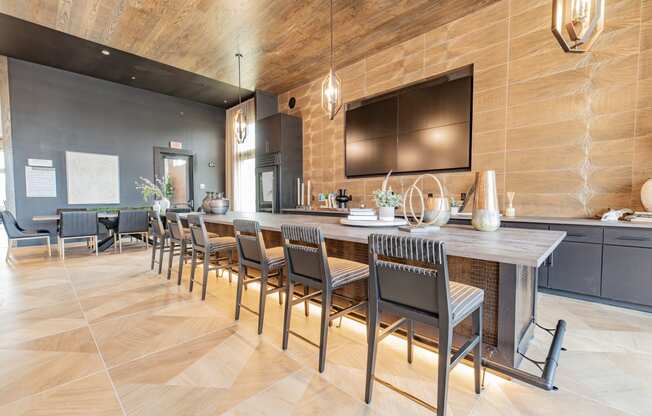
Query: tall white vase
646	195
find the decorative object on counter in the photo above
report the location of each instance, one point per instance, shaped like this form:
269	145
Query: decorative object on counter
331	87
646	195
429	219
396	222
239	120
206	202
387	200
640	217
616	214
455	205
159	189
576	24
486	215
438	210
342	198
219	205
510	211
362	214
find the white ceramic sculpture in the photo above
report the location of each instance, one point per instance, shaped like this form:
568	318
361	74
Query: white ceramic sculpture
646	195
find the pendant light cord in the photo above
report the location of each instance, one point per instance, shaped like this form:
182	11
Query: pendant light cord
239	55
332	35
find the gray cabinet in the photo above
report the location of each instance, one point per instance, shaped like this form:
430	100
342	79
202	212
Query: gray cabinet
576	267
627	274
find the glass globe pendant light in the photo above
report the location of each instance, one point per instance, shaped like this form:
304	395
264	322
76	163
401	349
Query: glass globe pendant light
331	87
239	120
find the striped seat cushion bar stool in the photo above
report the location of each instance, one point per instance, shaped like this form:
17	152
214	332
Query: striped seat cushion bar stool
216	244
464	299
346	271
275	258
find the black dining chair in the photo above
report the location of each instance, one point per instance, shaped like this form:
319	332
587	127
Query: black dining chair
74	225
409	280
310	266
132	222
160	237
16	233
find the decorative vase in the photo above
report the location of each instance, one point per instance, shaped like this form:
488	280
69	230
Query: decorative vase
386	213
164	205
646	195
156	206
219	206
486	215
206	202
455	210
437	209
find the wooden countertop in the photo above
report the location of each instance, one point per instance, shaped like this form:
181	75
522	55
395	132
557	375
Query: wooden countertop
507	245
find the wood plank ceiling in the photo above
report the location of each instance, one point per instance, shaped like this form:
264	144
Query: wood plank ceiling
284	42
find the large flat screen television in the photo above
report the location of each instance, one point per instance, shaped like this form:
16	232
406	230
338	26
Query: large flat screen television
424	127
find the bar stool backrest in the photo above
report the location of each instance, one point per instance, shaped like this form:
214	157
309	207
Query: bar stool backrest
305	251
11	226
411	272
249	238
156	223
132	221
174	225
198	233
77	223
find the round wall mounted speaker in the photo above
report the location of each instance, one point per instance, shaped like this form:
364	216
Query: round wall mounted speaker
292	102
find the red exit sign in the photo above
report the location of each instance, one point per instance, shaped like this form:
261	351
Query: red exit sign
176	145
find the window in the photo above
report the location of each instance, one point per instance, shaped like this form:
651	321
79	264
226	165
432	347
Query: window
244	177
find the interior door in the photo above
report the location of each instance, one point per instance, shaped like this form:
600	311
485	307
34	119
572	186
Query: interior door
175	166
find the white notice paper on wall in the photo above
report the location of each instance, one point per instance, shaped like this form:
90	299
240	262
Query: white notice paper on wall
40	182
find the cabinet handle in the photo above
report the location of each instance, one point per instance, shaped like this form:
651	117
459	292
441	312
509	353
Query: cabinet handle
576	235
633	238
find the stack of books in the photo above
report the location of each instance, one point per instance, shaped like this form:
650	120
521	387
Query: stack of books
362	214
641	217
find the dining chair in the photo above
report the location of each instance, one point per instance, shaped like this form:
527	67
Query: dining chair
252	253
207	247
310	266
75	225
132	222
160	237
409	279
16	233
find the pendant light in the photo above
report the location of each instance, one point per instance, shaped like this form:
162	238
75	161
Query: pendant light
331	87
239	120
577	23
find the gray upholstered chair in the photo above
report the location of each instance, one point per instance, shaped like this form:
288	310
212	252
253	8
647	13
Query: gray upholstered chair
132	222
16	233
310	266
74	225
409	279
252	253
208	246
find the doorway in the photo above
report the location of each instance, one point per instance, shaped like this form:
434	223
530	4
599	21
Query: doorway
176	167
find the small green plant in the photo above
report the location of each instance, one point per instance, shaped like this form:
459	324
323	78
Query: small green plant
387	198
455	202
160	188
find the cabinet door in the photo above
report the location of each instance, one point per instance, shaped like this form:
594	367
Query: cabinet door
627	274
543	277
268	135
576	267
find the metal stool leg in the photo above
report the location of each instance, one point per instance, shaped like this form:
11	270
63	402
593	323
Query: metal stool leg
205	275
287	316
261	302
477	351
153	252
372	348
238	297
280	284
443	370
193	267
160	254
306	304
170	257
182	256
410	339
323	336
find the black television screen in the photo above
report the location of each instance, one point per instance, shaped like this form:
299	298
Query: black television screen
425	127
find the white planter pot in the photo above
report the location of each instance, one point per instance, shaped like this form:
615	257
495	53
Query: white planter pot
386	213
161	206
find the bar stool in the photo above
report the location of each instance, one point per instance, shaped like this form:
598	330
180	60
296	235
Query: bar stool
159	239
309	265
179	243
253	253
420	291
207	246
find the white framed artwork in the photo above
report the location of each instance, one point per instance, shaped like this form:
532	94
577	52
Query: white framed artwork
92	178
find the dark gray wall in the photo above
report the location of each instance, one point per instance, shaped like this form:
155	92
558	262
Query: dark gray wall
54	111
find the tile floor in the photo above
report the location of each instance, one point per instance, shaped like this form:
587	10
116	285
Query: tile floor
105	336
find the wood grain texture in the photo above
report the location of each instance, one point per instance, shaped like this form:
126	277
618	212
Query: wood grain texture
507	245
284	42
569	133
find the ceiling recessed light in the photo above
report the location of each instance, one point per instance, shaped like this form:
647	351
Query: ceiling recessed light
105	52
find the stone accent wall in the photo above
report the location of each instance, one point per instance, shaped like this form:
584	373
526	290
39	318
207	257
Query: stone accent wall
571	134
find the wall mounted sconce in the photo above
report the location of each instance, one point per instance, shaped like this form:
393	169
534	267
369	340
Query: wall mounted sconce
576	24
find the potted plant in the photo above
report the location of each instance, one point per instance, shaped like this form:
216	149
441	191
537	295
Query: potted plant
455	205
160	190
387	201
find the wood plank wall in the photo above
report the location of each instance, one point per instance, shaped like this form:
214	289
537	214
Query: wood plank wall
571	134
